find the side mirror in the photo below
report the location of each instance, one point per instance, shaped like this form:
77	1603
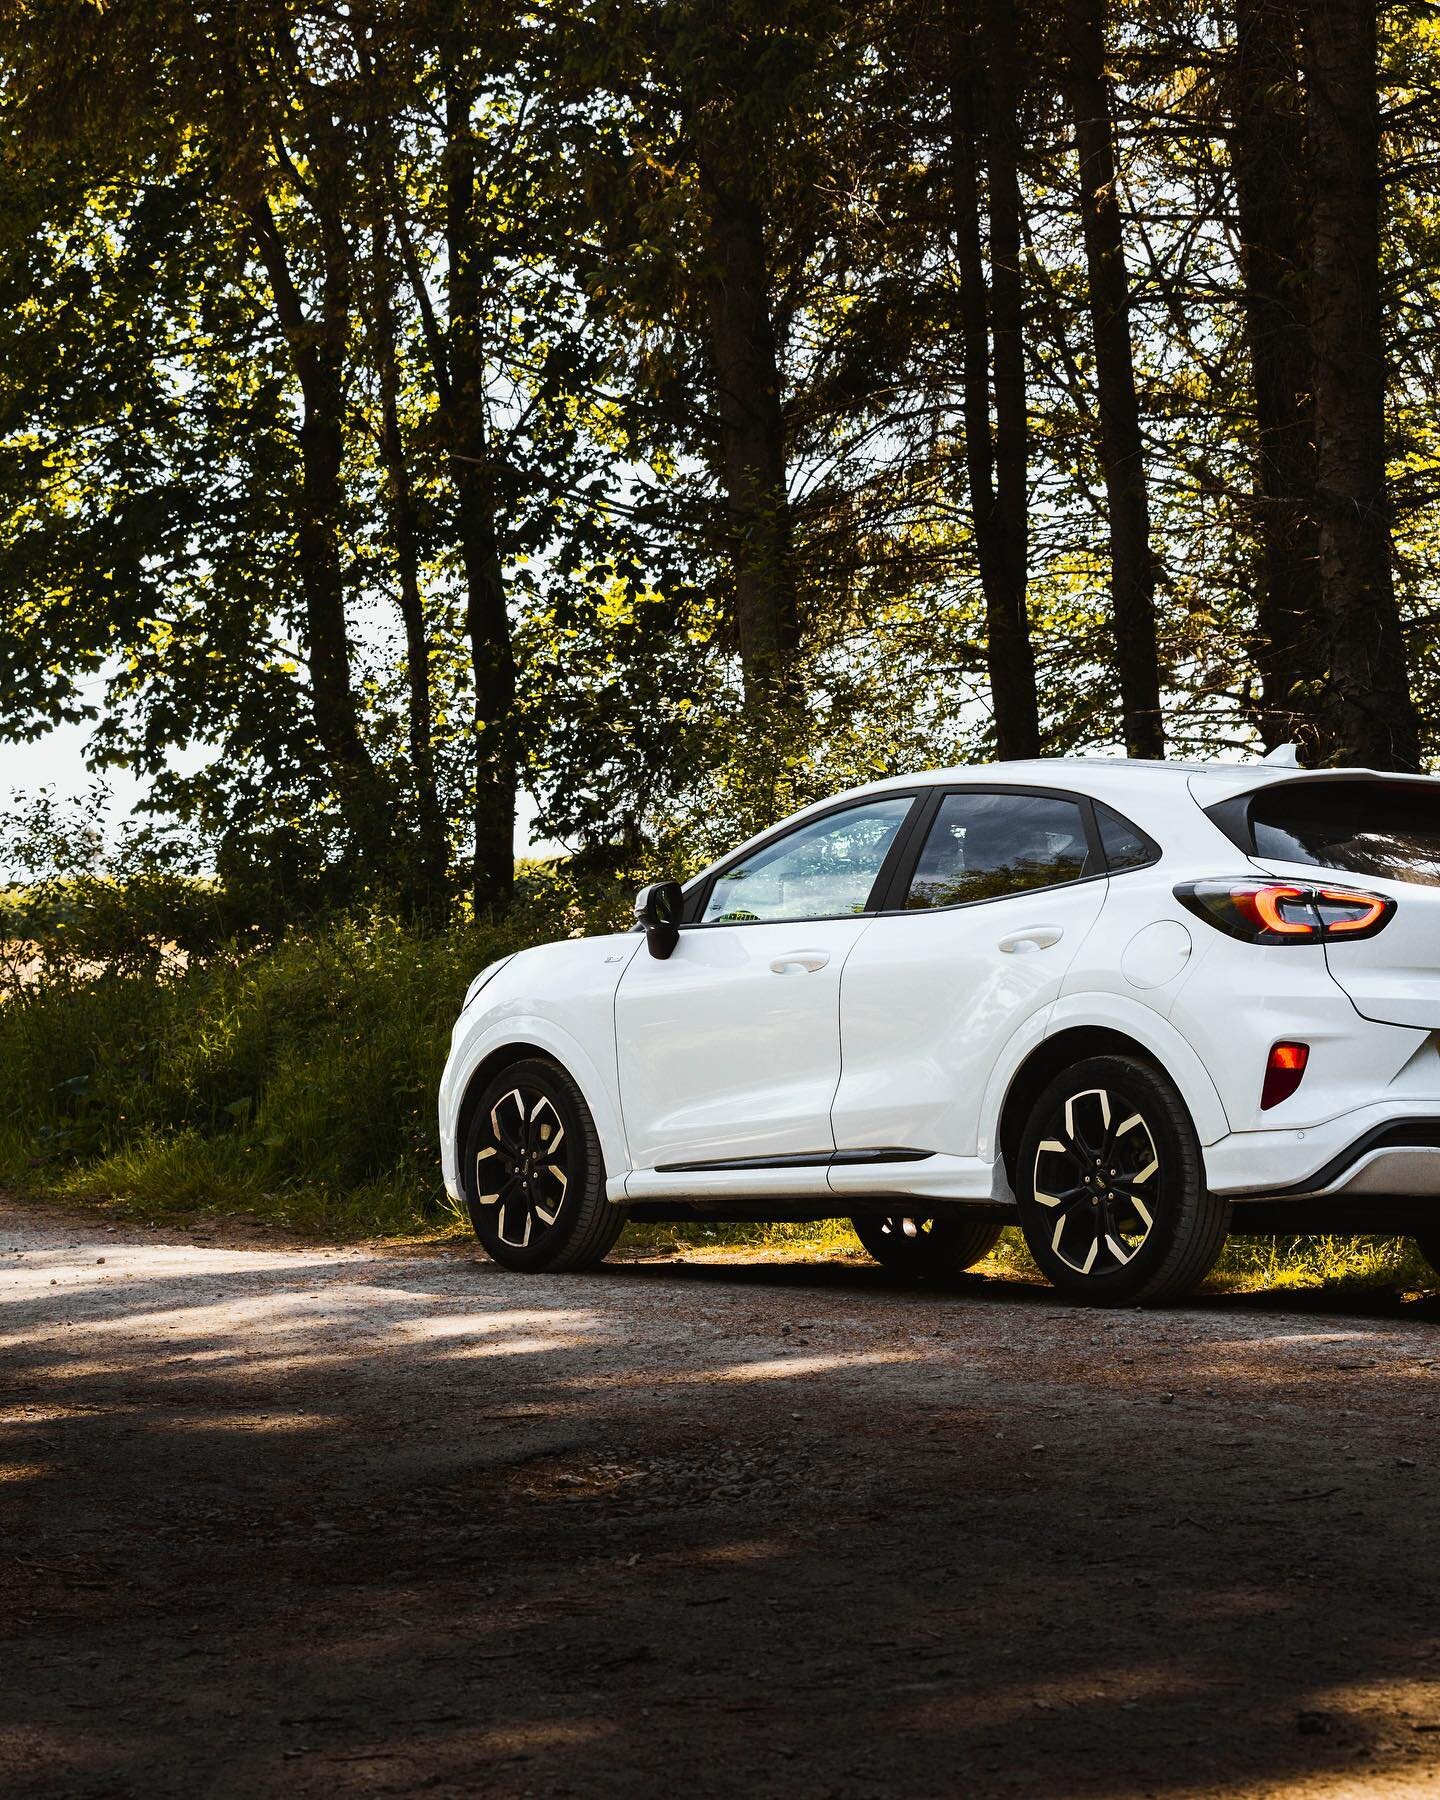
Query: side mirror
657	908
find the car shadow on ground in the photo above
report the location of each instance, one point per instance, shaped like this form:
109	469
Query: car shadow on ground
844	1276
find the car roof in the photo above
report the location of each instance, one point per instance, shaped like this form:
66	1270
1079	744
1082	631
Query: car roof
1144	790
1107	775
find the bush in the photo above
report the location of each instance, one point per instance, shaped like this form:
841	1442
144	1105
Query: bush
295	1077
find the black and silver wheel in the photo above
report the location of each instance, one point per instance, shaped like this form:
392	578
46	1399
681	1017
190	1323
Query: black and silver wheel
1111	1186
533	1172
1428	1244
924	1248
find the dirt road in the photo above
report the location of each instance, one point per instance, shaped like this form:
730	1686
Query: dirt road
301	1521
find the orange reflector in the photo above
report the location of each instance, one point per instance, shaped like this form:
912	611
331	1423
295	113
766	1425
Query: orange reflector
1283	1071
1366	909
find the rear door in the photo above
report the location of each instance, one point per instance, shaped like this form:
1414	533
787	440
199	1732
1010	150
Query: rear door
1375	833
976	937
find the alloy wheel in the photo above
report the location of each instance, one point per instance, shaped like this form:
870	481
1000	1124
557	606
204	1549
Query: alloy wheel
1097	1171
523	1168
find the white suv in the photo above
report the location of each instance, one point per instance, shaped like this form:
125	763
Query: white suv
1121	1004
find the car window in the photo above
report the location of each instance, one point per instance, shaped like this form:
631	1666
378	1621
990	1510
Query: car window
985	845
1125	845
819	871
1359	827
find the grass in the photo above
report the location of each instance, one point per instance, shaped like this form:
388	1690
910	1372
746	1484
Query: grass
296	1084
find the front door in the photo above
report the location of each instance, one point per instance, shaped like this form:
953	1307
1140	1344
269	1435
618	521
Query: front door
729	1049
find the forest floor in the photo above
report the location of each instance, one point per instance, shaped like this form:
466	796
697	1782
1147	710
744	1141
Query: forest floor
288	1519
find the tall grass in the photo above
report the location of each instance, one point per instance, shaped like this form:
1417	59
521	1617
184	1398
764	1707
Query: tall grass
295	1080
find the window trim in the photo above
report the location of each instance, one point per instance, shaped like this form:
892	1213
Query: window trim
904	873
699	897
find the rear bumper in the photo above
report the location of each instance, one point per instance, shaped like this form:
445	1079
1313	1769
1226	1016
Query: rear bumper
1392	1155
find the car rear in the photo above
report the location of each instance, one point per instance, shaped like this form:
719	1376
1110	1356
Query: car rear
1347	872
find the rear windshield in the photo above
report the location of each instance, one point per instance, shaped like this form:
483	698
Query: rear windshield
1357	827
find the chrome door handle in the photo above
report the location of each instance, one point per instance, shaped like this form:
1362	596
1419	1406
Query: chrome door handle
1034	937
800	962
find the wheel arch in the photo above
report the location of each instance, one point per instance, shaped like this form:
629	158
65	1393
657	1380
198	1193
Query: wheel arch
519	1044
1071	1042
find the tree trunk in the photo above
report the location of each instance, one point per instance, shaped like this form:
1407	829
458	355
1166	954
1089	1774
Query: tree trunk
428	897
752	429
1267	148
1370	715
983	113
487	618
1121	447
318	350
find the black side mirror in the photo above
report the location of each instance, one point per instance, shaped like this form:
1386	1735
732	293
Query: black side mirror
657	908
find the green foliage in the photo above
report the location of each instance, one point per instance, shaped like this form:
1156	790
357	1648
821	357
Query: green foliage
296	1077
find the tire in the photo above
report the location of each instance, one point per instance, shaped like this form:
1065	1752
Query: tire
931	1249
533	1173
1111	1189
1428	1244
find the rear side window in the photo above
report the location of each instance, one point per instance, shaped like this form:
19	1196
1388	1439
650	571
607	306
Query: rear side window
1125	845
1357	827
984	845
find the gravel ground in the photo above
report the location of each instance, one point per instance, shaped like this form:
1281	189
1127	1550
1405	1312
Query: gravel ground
302	1521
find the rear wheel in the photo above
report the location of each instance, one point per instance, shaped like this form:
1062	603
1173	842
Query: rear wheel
926	1249
1111	1186
1428	1244
534	1175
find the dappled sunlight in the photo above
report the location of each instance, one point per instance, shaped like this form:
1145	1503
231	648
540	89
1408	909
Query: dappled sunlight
741	1551
465	1324
516	1346
780	1368
12	1472
266	1422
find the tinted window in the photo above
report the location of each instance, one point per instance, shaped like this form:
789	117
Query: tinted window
983	845
1360	827
1125	845
819	871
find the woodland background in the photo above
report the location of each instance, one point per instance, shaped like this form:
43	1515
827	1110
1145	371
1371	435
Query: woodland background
683	409
675	410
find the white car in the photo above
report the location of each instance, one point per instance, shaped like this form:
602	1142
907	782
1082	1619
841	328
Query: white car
1129	1006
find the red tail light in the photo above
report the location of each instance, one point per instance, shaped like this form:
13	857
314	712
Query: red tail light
1284	1070
1286	912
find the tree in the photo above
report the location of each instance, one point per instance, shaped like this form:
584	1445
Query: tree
1370	715
1122	446
1267	142
985	125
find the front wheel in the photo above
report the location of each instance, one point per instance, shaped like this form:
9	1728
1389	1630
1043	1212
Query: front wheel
1111	1187
534	1175
926	1249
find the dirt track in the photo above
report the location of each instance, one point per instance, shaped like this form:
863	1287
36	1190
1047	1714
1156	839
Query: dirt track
319	1522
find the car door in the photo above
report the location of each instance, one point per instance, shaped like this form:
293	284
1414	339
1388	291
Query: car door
978	931
729	1049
